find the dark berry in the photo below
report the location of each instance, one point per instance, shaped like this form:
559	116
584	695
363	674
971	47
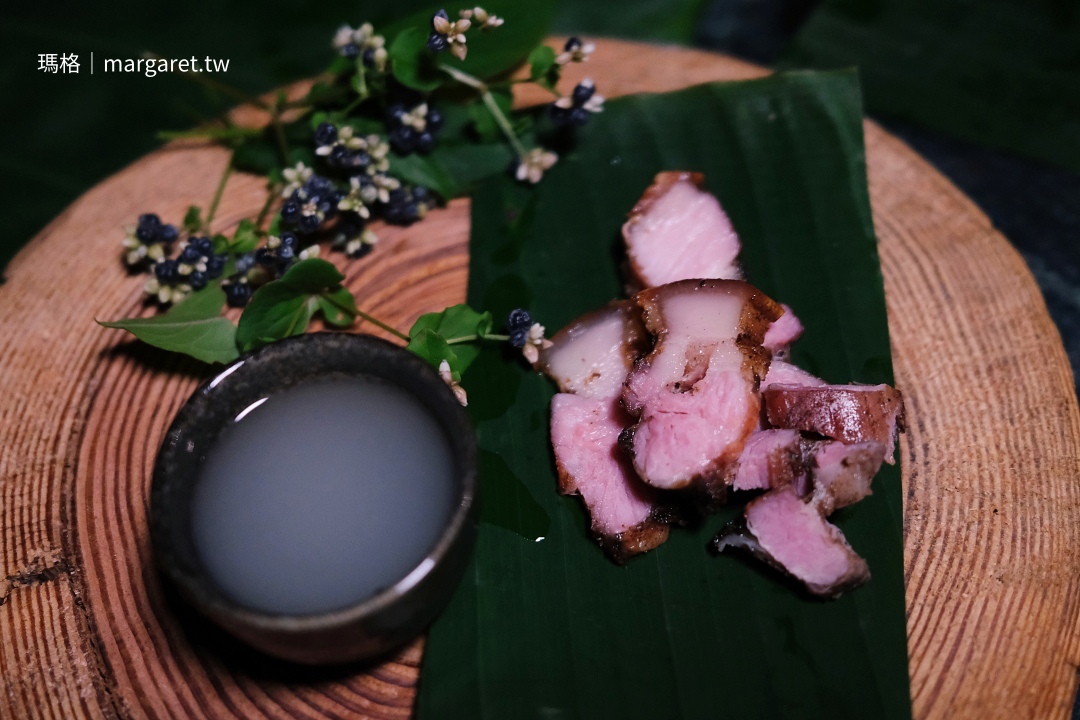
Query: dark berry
167	271
578	116
369	57
572	44
309	224
518	338
434	120
318	185
425	143
350	50
350	225
244	263
197	280
204	245
394	112
421	194
325	134
215	265
519	319
437	42
339	156
190	254
357	160
403	139
396	196
237	293
582	93
168	234
290	212
289	239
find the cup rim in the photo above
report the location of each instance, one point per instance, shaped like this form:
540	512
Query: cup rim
201	589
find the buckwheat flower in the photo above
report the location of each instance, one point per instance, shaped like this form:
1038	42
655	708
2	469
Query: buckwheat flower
534	342
166	283
343	41
345	138
311	251
575	51
360	245
378	150
149	240
448	378
383	185
446	34
360	195
296	177
534	164
483	18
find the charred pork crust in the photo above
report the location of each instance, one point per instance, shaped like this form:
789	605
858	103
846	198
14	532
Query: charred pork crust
848	413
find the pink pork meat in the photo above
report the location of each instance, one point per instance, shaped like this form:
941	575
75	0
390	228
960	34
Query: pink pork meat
678	231
627	518
792	535
589	360
694	397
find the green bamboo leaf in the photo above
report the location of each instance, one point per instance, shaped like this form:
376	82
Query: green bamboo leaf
1001	73
194	327
554	628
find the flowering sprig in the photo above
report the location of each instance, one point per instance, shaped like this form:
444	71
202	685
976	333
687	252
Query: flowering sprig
366	144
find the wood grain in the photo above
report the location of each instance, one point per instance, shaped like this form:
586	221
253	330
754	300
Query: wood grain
991	463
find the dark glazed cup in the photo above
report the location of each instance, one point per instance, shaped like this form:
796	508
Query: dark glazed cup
374	625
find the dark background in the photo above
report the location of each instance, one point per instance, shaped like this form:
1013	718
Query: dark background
61	134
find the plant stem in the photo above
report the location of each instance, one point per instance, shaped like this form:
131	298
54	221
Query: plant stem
213	133
217	196
355	312
493	107
216	85
470	338
271	193
279	132
361	73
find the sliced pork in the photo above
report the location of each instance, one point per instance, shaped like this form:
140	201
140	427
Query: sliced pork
694	396
678	231
592	355
782	333
848	413
626	515
842	473
793	536
769	459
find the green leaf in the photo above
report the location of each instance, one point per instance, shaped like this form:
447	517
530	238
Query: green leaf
427	171
412	63
312	276
284	307
245	239
276	311
193	219
491	53
553	628
450	335
338	307
998	72
542	66
194	327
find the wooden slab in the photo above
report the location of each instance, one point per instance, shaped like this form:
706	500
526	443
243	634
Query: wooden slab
991	462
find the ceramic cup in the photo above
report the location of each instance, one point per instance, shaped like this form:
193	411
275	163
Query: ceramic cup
373	625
